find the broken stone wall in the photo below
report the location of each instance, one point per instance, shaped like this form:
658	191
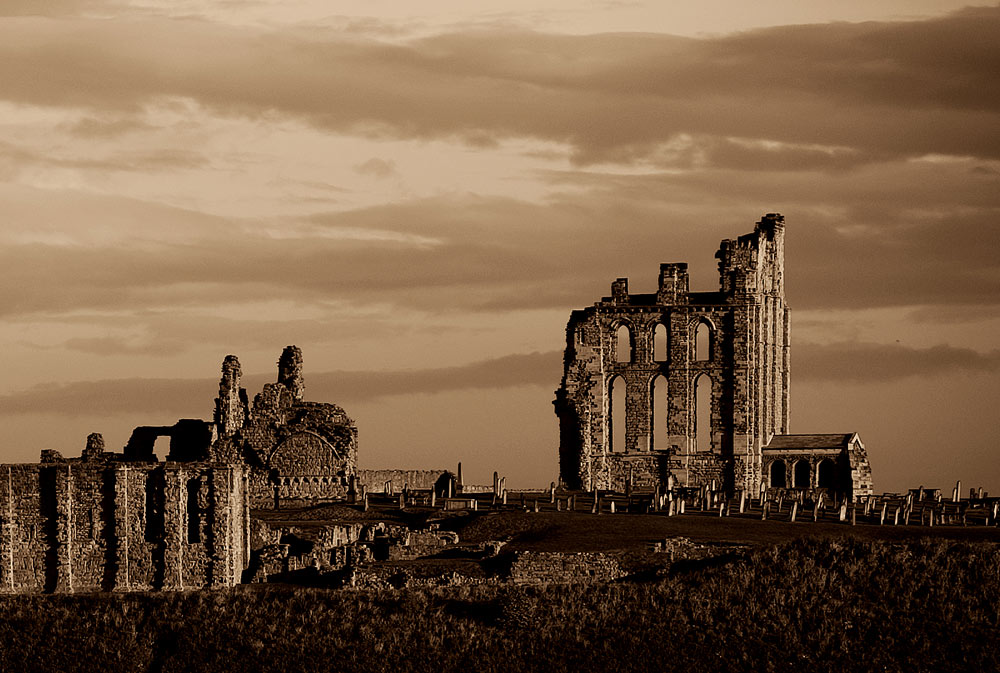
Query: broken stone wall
374	480
745	366
79	526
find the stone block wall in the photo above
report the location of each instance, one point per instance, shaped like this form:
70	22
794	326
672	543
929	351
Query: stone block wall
117	526
563	568
374	480
745	367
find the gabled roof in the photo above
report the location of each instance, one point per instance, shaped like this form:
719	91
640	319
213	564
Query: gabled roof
791	442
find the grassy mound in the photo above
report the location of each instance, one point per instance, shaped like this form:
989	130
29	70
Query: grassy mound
809	605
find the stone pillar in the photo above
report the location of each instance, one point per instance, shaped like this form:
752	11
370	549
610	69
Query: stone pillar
174	526
63	493
7	533
224	569
120	529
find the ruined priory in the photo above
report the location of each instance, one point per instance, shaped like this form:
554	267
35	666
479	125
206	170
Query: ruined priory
675	389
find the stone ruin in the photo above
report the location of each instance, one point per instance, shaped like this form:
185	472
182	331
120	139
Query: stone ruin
292	449
702	383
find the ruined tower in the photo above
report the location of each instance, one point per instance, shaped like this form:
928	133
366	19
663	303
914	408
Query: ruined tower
231	404
702	376
290	371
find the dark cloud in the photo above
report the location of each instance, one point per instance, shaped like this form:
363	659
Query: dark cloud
874	363
193	397
873	89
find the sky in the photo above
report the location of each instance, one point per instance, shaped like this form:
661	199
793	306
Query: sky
418	194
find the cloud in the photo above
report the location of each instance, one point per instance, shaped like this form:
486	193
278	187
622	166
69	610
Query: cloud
191	397
377	168
873	89
875	363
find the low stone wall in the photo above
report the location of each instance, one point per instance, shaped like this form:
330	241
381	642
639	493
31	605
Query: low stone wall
564	568
374	480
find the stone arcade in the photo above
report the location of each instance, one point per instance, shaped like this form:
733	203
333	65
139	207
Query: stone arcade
694	385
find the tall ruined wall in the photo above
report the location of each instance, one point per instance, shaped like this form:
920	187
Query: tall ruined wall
118	526
745	369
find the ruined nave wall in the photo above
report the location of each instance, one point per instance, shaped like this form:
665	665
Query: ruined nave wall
92	526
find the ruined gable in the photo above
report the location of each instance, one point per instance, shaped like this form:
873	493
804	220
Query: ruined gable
293	448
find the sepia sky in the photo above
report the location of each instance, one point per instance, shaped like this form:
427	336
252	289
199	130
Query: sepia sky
417	194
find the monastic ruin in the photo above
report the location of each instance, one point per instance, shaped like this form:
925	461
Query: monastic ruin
692	387
668	399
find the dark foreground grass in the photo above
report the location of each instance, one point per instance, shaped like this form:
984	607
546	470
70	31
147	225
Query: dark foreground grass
809	605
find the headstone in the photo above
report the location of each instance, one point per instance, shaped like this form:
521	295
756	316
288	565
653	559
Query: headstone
763	511
895	517
671	507
496	483
449	488
365	502
552	492
722	507
958	490
612	506
536	504
572	503
843	512
681	511
881	518
433	498
503	496
854	515
461	481
795	511
743	501
559	504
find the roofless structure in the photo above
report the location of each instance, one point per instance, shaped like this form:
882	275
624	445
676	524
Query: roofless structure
695	385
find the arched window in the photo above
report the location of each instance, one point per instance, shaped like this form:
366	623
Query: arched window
826	474
777	474
703	341
660	343
658	413
801	474
703	413
617	414
623	344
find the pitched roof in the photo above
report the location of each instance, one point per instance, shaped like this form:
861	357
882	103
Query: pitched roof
786	442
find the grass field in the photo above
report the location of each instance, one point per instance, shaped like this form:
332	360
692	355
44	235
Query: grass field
849	598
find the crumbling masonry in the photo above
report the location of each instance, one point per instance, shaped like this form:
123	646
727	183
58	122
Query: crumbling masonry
677	357
129	522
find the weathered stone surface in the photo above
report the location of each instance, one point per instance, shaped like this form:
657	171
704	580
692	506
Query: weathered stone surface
649	344
86	526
